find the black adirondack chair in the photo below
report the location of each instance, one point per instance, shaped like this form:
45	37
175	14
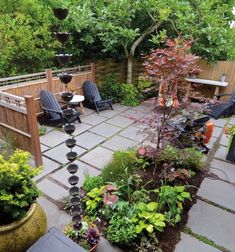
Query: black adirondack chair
222	109
50	105
93	99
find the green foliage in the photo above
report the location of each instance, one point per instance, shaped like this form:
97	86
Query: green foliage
130	95
122	165
192	159
92	182
18	190
42	130
121	230
148	219
148	244
111	88
169	154
172	198
8	145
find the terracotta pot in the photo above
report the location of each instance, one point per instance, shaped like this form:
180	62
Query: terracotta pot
18	236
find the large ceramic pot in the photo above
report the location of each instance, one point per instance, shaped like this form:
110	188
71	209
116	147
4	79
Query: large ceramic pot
20	235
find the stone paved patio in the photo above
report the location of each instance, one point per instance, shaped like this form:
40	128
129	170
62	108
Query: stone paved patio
213	216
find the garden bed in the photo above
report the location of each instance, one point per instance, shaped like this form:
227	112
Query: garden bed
141	203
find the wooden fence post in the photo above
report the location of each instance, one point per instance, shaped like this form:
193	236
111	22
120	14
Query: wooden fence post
50	80
93	71
33	126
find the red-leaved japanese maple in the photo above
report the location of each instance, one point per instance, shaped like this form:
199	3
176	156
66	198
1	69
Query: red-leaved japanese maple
169	67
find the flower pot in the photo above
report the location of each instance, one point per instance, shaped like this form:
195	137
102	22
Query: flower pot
18	236
231	151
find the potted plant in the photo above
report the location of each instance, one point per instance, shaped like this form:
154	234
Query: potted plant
22	220
231	144
87	236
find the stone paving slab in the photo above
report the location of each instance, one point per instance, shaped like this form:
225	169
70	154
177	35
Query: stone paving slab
217	131
53	190
59	153
44	148
62	175
93	119
119	143
105	129
48	167
133	133
120	121
120	107
87	111
53	138
144	108
221	153
80	128
55	217
89	140
210	145
232	120
224	140
218	192
109	113
224	170
98	157
214	223
219	122
133	114
105	246
191	244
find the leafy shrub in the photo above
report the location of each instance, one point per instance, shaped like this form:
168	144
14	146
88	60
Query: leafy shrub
122	161
18	190
8	145
111	88
130	95
42	130
169	154
172	197
92	182
192	159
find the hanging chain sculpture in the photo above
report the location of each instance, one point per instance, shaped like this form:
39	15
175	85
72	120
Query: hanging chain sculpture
69	128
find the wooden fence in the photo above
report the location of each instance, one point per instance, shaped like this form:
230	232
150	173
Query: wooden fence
20	104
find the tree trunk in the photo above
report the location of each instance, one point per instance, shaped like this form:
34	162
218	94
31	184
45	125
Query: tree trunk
129	69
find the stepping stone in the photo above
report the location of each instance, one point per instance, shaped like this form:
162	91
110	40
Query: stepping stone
109	113
133	114
219	122
134	133
119	143
55	217
214	223
93	119
44	148
87	111
80	128
120	121
210	145
53	138
48	167
143	108
62	175
98	157
232	120
52	190
218	192
119	107
189	243
105	246
221	153
89	140
224	170
105	129
59	153
224	140
217	131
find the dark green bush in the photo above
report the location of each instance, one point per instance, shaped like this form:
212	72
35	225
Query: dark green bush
192	159
130	95
169	154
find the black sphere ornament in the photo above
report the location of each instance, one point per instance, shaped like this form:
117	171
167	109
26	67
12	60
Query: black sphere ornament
71	156
70	143
74	190
72	168
67	96
65	77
